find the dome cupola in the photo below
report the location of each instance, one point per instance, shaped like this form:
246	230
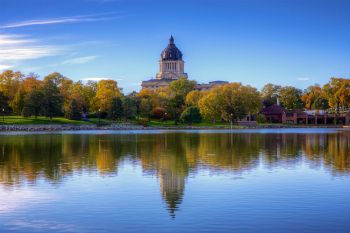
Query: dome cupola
171	52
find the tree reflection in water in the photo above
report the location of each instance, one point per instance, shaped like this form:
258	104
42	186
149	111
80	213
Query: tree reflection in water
172	157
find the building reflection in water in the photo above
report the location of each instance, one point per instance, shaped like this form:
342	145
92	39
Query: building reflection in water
172	157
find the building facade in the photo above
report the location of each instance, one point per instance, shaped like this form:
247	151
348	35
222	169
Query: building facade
171	68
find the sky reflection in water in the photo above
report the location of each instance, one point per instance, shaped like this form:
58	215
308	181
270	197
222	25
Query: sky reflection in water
189	181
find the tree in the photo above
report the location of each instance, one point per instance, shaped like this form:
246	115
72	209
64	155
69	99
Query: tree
107	90
147	100
31	82
210	106
174	107
77	93
233	102
191	115
311	95
33	103
193	97
337	91
291	97
73	112
251	99
230	102
146	108
10	82
181	87
17	103
129	107
115	109
320	103
53	100
269	94
4	106
89	92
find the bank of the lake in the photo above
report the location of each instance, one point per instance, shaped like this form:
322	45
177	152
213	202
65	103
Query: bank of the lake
130	126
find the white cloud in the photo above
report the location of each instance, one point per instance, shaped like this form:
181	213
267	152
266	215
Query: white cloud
19	199
17	48
303	79
5	67
80	60
61	20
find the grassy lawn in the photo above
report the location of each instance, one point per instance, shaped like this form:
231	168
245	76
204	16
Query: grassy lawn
172	123
19	120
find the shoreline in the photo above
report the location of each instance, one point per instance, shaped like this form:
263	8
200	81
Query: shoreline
68	127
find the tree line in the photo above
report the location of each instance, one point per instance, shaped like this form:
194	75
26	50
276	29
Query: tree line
56	95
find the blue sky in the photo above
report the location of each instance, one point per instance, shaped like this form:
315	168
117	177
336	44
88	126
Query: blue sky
287	42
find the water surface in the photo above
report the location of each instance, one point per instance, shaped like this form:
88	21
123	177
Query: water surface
285	180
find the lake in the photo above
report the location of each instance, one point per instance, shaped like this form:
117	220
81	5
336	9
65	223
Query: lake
272	180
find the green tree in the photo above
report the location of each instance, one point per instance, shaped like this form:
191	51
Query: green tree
146	108
73	112
115	109
320	103
33	103
269	94
4	105
181	87
291	97
129	107
174	107
191	115
53	100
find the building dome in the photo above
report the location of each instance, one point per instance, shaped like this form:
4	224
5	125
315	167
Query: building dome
171	52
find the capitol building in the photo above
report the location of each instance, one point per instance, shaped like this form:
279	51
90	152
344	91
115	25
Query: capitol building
171	68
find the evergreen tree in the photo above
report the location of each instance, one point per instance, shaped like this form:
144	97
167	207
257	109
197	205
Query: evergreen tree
33	103
174	107
191	115
73	112
4	106
129	107
115	109
53	100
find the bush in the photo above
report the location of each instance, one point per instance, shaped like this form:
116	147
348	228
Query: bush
191	115
158	113
260	118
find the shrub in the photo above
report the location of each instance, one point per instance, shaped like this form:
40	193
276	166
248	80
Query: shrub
260	118
158	113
